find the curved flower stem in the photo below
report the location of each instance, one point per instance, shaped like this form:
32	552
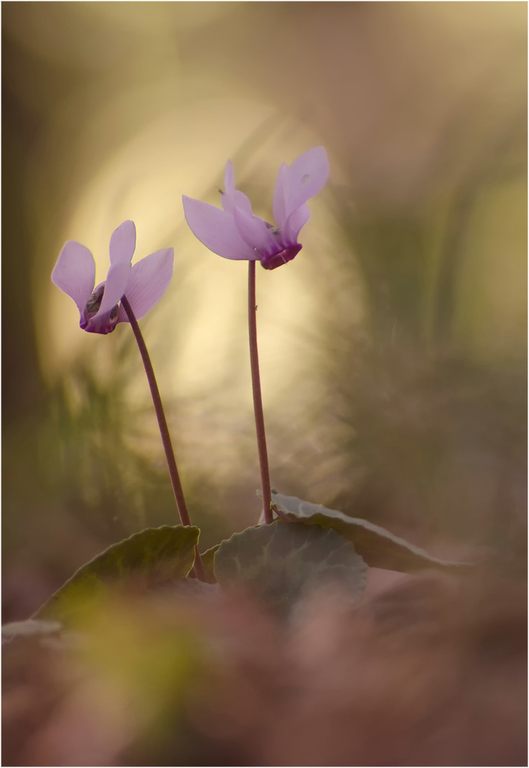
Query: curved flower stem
257	398
164	431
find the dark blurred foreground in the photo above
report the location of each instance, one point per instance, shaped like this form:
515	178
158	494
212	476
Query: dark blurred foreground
429	670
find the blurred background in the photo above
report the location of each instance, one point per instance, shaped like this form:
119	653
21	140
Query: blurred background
393	348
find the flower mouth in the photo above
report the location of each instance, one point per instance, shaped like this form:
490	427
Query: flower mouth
104	324
94	301
274	260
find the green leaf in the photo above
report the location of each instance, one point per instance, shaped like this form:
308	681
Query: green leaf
30	628
280	563
152	557
378	547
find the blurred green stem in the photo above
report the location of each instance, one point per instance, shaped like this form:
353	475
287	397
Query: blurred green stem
257	398
164	431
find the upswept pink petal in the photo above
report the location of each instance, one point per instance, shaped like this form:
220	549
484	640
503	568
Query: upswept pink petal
236	199
233	198
229	178
115	286
254	231
216	229
123	243
280	196
148	280
306	177
295	222
74	272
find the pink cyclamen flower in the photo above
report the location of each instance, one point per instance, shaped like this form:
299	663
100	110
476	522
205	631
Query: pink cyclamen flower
236	233
99	308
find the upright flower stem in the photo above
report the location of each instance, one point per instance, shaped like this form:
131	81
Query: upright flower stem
257	398
164	431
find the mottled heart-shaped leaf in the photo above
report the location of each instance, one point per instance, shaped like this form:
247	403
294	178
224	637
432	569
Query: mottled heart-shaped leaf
281	562
149	558
379	548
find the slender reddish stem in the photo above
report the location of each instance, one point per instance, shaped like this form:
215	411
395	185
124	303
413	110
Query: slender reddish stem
257	397
164	431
